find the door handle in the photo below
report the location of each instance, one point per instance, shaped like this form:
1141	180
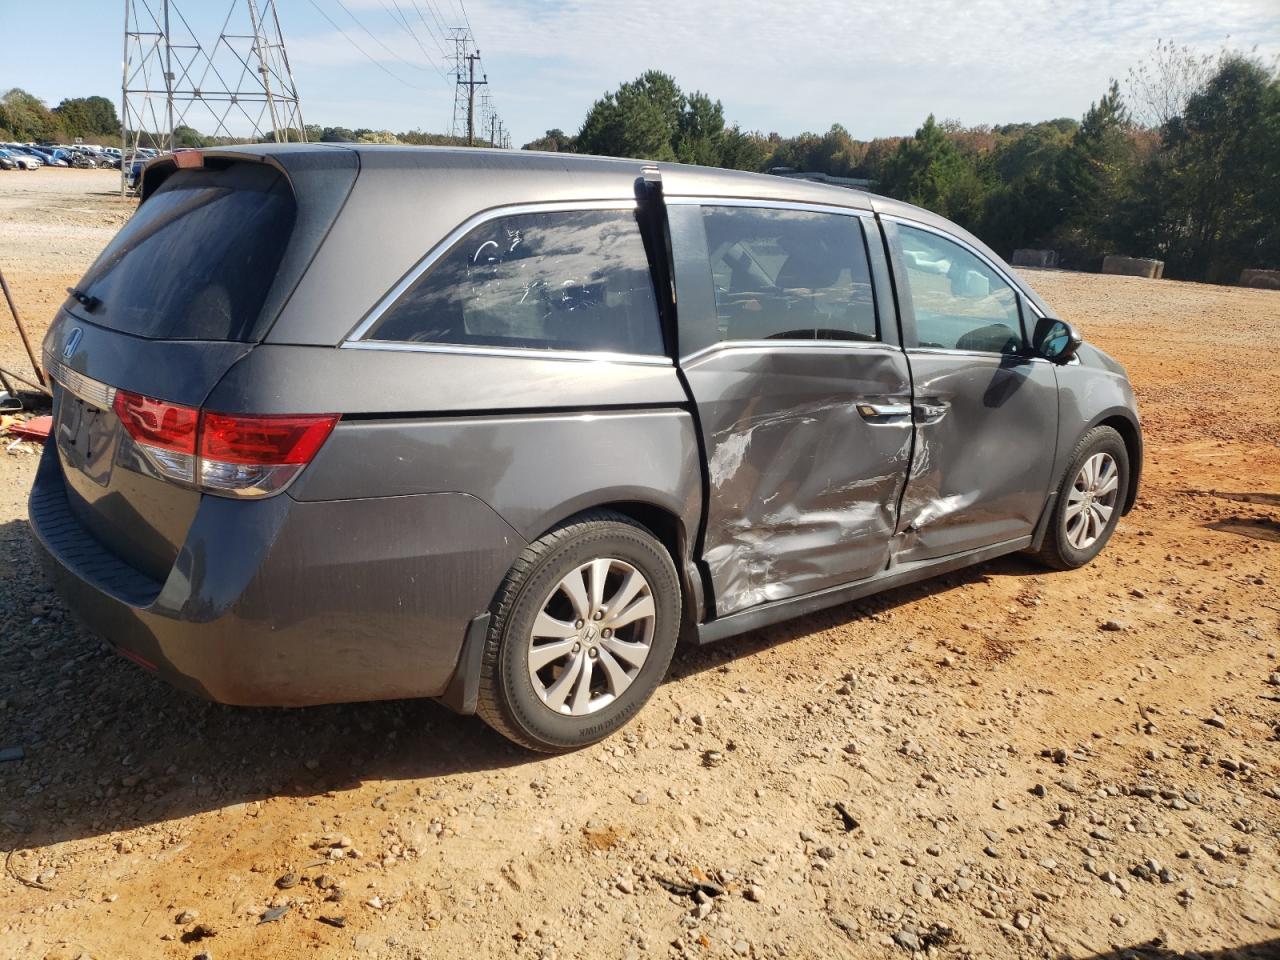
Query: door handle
883	411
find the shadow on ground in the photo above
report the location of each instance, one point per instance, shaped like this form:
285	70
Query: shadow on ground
109	747
1266	950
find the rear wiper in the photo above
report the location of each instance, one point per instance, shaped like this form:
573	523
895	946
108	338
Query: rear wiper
90	303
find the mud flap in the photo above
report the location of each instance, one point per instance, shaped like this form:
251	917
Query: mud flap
463	691
1042	526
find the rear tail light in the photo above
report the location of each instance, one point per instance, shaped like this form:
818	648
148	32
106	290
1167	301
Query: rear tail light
165	432
252	456
228	454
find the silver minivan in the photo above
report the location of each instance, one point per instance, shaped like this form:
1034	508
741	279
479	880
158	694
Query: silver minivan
337	422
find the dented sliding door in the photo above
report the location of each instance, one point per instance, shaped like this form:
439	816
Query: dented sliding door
789	347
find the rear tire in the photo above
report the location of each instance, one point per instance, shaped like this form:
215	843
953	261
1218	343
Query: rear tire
1090	499
583	629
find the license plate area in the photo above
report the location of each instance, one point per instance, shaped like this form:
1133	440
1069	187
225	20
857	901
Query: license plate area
85	437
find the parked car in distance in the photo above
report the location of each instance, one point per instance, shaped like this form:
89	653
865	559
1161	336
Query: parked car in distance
51	157
340	422
18	160
34	159
6	163
134	172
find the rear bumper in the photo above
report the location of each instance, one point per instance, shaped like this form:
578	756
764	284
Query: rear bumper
280	603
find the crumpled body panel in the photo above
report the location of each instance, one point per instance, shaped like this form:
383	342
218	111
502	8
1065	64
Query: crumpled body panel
803	491
984	452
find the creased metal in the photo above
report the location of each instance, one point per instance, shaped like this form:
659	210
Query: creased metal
985	431
803	490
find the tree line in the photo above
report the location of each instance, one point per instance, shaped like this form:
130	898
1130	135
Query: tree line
1182	166
25	118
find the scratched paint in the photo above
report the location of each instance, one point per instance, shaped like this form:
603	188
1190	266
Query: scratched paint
984	435
803	491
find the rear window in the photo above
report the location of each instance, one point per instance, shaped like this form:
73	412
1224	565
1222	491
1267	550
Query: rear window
198	258
565	280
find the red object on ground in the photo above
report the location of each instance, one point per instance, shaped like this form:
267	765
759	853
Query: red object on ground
37	428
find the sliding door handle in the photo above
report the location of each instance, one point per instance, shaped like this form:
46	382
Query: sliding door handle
883	411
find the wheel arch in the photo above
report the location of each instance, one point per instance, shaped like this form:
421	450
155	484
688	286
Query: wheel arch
670	529
1124	423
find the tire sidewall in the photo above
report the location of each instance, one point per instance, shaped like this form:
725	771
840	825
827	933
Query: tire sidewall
1107	441
525	709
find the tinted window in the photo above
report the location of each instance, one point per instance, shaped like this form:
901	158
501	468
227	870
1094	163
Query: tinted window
574	280
197	259
960	302
789	274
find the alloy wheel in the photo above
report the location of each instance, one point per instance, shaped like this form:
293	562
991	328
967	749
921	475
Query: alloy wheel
591	637
1091	500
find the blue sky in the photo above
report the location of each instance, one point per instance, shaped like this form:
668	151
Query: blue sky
876	68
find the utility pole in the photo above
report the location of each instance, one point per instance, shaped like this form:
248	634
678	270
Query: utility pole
472	83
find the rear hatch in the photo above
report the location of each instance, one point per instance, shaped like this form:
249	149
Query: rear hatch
186	289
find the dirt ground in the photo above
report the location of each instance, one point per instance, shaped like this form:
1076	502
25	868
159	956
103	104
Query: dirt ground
1003	762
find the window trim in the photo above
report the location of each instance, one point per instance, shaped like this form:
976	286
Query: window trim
793	205
775	346
358	338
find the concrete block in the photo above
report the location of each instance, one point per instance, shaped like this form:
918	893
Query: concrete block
1262	279
1023	257
1133	266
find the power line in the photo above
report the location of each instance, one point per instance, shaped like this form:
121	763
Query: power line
405	21
360	24
430	32
372	59
435	16
465	19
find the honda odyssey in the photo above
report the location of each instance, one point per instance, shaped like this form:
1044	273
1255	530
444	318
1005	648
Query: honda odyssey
336	422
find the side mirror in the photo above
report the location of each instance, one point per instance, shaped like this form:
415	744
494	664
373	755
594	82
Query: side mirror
1055	340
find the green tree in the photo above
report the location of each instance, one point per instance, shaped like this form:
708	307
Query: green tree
744	151
930	171
1097	176
641	119
699	135
184	136
1211	198
1025	205
88	117
554	141
27	118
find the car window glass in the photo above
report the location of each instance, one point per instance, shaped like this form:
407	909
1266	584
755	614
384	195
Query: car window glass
960	302
789	274
197	260
565	280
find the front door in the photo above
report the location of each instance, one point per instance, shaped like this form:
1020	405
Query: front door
789	345
986	413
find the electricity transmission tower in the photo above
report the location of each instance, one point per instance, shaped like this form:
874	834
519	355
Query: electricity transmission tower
466	121
461	38
239	87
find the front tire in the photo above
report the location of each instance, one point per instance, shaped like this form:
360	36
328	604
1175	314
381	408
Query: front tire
1089	502
583	629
